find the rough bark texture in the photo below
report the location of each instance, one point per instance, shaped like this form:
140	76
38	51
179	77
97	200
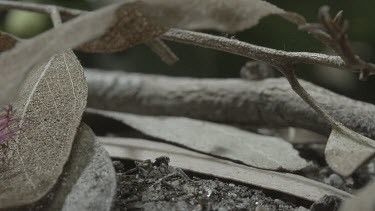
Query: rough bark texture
269	102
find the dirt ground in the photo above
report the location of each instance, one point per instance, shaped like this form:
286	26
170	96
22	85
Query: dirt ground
154	185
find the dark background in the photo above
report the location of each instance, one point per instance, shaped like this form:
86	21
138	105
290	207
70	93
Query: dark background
272	32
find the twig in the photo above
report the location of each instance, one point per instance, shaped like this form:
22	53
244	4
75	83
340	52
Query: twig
269	102
163	51
334	36
55	16
269	55
209	41
289	73
39	8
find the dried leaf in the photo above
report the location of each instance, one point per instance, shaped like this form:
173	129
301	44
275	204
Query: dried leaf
7	41
134	23
140	149
260	151
130	28
124	24
347	150
50	105
364	202
222	15
16	63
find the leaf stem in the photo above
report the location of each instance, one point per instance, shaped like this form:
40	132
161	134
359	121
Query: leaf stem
289	73
269	55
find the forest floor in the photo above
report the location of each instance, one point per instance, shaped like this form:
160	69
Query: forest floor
157	186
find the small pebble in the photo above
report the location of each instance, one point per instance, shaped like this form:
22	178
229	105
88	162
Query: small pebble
279	202
222	209
118	166
334	180
301	209
326	203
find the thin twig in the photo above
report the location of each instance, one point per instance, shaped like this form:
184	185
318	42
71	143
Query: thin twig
209	41
289	73
334	35
163	51
55	16
269	55
39	8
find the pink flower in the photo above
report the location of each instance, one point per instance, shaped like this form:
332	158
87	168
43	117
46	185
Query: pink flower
8	127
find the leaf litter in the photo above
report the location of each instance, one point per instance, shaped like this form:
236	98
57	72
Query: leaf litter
141	149
223	141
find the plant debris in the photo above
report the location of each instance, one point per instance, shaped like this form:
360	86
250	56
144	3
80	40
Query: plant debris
158	186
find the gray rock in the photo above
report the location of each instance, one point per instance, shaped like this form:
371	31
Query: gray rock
89	180
334	180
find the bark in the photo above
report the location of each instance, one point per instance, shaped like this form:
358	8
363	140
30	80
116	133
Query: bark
269	102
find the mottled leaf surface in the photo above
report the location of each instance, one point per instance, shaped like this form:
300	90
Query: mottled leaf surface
222	15
347	150
136	24
7	41
131	27
50	105
364	202
141	149
265	152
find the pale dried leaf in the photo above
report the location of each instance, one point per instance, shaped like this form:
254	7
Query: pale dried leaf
130	28
16	63
7	41
50	105
222	15
140	149
260	151
364	202
134	23
347	150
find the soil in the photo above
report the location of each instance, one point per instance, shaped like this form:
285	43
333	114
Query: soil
157	186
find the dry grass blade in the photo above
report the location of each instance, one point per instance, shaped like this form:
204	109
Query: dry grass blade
347	150
50	107
223	141
140	149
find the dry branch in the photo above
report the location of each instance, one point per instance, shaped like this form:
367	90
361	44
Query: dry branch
269	55
270	102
